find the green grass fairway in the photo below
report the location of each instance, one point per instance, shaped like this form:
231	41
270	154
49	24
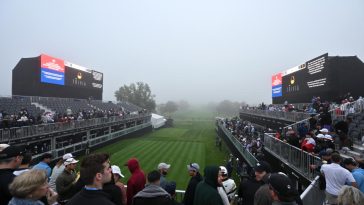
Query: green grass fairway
188	141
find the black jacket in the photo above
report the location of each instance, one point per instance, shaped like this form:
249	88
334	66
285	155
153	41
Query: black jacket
114	192
6	177
190	191
91	197
248	189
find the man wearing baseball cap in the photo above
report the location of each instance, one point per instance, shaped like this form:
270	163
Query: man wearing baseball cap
66	180
58	169
249	188
282	190
194	172
163	170
10	159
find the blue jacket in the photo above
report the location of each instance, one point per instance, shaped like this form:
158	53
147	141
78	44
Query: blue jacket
358	175
44	166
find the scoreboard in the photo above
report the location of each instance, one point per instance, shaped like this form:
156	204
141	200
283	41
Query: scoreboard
300	83
48	76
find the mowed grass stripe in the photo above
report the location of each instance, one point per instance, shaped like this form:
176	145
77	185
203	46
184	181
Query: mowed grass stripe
186	142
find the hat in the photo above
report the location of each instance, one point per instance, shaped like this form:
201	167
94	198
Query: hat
70	161
282	185
262	166
163	165
350	161
223	170
116	170
67	156
311	141
170	187
324	130
8	151
289	128
328	137
193	167
320	136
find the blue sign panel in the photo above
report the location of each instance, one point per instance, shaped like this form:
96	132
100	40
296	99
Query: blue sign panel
51	76
277	91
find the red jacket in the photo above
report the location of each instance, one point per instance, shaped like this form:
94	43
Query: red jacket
137	180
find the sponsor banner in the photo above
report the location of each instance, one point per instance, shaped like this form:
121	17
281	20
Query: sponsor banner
51	76
277	79
277	91
52	63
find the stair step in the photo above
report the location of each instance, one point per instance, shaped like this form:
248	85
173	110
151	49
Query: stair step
358	148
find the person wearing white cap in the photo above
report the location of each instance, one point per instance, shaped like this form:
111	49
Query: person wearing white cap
117	176
66	180
57	170
324	131
229	184
163	170
193	171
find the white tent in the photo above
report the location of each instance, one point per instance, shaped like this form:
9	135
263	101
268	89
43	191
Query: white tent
158	121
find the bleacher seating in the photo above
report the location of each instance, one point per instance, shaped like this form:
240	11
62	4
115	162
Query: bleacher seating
12	106
105	106
60	105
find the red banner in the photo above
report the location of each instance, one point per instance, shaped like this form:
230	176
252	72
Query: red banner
52	63
277	79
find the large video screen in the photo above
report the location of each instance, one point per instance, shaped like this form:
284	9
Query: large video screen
301	83
51	70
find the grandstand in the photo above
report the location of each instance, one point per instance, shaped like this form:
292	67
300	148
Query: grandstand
295	111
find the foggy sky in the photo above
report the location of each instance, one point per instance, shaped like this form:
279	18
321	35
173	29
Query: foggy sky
197	50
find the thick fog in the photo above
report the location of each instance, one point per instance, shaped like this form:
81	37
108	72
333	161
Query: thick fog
196	50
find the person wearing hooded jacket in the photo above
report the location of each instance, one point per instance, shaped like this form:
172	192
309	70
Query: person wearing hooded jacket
153	193
137	180
206	191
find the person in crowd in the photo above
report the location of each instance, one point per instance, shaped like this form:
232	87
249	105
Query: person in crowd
58	169
194	172
117	179
335	177
206	191
163	170
308	144
66	180
29	187
228	184
10	159
44	164
113	190
25	163
358	173
349	195
137	180
248	189
153	194
95	172
282	190
171	190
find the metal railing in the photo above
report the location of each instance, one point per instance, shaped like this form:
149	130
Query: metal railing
312	194
27	131
248	156
294	157
59	152
288	116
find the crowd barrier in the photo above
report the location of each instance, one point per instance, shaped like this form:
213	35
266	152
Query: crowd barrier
313	195
248	156
294	157
27	131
